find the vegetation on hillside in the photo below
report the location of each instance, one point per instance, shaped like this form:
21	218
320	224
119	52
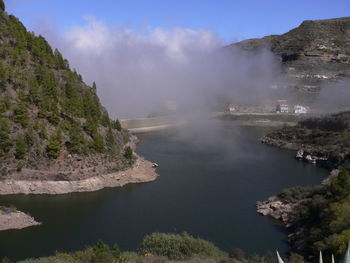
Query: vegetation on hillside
321	220
157	247
46	111
327	136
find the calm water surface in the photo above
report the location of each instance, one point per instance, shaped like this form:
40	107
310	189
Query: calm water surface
210	179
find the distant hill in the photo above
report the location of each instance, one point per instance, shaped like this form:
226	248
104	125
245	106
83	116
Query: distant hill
52	125
314	52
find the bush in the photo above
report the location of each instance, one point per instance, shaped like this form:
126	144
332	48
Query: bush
179	247
237	253
331	123
43	260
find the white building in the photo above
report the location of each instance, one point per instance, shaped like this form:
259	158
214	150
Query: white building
282	106
231	108
298	109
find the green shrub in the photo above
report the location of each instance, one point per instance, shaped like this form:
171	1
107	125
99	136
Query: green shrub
43	260
179	247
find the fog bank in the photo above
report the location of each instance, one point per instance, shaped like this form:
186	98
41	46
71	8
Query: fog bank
135	72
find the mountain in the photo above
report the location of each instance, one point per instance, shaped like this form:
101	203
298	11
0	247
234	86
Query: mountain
315	52
52	125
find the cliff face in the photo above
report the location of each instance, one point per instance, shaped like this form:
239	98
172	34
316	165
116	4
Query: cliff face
52	125
314	52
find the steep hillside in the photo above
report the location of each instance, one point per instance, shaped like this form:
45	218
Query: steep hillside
52	125
317	217
312	53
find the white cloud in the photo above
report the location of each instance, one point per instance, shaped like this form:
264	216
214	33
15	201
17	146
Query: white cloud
136	70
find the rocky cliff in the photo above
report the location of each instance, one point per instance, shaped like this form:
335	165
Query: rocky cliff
315	52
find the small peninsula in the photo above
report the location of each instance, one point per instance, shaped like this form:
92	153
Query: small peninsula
11	218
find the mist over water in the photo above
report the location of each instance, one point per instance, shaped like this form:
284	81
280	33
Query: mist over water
135	71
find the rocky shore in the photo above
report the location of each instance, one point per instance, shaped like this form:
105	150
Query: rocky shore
307	153
14	219
276	209
142	171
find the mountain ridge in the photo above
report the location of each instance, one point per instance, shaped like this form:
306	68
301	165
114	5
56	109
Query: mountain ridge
315	52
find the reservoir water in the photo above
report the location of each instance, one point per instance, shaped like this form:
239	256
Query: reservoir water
210	179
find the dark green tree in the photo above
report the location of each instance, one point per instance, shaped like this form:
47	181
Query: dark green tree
97	143
42	131
59	59
29	136
5	139
340	185
2	5
33	87
21	147
128	154
2	73
116	125
76	143
53	149
21	114
110	142
101	253
105	120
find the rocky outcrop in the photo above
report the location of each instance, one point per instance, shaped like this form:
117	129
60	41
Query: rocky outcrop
13	219
276	209
318	48
142	171
315	53
280	143
308	157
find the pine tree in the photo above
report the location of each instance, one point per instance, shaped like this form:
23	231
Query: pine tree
116	125
42	131
59	59
97	143
128	154
110	142
21	114
2	73
21	147
53	149
76	143
29	136
5	139
2	5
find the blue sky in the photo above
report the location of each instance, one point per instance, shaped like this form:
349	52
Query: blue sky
231	20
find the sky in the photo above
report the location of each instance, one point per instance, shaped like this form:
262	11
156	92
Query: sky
230	20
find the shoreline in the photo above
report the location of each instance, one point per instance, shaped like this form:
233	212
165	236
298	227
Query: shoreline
141	172
14	219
